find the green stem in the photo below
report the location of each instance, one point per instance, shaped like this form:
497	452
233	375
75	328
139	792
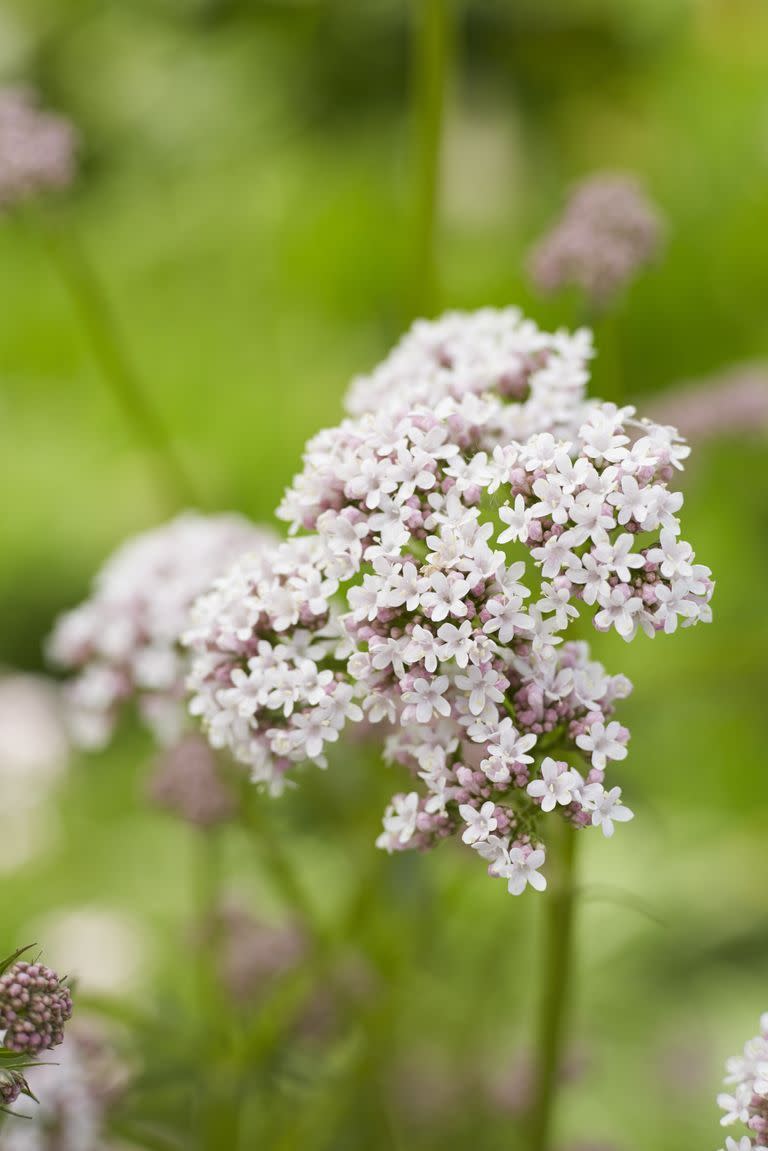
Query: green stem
431	42
558	907
99	324
208	913
278	862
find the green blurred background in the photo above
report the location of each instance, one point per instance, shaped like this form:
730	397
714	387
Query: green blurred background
246	194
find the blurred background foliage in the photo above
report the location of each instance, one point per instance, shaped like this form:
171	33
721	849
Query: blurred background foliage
246	194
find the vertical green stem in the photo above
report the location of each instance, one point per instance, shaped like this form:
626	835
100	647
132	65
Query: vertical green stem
431	44
558	907
214	1103
208	912
99	324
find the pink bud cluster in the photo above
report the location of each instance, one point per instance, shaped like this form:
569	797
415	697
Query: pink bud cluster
746	1101
448	561
124	641
37	150
34	1006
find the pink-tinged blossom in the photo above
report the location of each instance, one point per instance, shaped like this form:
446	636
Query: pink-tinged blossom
607	233
556	785
522	871
604	807
480	823
601	743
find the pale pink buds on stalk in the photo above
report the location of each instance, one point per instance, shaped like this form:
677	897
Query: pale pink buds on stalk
607	233
37	149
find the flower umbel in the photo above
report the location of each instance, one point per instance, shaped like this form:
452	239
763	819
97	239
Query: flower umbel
453	545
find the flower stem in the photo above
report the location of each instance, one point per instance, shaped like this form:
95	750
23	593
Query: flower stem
207	850
558	907
431	42
98	322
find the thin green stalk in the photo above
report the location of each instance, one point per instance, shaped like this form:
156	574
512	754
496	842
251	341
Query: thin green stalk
431	48
558	908
215	1105
279	863
100	326
207	895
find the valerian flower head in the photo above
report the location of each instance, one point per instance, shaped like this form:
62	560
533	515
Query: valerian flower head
452	546
745	1099
607	233
34	1006
124	642
37	149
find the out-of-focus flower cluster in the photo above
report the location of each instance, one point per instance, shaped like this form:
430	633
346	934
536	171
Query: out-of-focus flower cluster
37	149
34	751
733	402
188	780
34	1006
75	1091
124	640
453	543
608	231
746	1100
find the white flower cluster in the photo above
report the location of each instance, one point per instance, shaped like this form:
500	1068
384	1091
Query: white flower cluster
267	675
125	640
594	512
747	1100
460	540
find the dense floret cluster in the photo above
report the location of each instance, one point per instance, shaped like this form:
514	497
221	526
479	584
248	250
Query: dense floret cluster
124	641
541	377
448	559
268	675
